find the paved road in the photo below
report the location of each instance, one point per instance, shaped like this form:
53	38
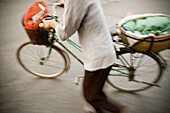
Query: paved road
21	92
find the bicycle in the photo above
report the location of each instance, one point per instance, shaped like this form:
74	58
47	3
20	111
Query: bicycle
131	71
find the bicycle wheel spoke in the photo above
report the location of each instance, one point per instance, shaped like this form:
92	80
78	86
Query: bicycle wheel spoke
53	66
42	52
55	61
146	64
146	71
37	50
31	55
31	52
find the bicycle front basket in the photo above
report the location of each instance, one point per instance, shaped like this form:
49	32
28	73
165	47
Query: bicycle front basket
146	32
31	21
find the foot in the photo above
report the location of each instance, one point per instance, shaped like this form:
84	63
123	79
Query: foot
126	109
89	109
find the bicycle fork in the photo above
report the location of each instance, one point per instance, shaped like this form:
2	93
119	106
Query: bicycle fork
44	59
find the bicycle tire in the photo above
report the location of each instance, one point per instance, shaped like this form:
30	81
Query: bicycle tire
153	72
32	58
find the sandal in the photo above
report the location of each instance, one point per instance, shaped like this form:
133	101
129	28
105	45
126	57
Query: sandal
89	109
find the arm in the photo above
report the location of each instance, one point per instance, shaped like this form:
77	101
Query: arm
74	13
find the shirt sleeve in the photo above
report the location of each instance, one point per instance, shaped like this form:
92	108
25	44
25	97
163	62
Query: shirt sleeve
74	12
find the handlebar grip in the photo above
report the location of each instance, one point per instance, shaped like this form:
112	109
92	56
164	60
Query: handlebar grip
57	4
41	25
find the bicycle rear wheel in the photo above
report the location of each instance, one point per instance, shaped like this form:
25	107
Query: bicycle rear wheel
138	71
36	60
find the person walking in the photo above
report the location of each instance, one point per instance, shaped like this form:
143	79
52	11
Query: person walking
87	18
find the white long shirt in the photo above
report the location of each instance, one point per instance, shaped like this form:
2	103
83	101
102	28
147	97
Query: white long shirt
87	17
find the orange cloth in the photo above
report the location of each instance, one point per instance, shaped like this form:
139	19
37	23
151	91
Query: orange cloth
33	10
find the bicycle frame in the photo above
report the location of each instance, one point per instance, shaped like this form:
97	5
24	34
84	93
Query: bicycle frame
78	47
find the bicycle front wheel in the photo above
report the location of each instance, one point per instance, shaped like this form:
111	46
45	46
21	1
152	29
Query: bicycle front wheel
135	71
41	61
